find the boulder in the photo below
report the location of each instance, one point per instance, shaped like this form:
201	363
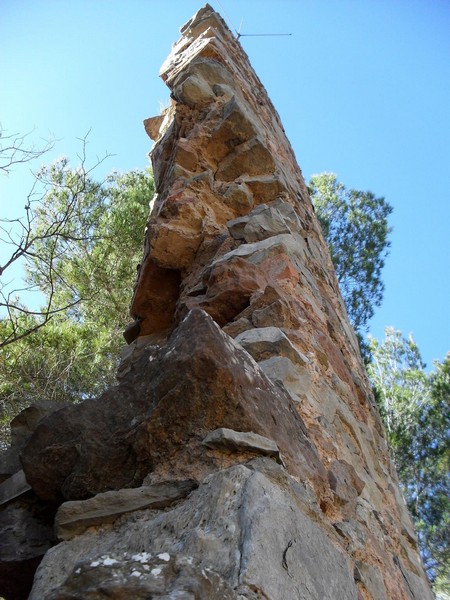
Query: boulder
227	527
141	576
24	539
157	417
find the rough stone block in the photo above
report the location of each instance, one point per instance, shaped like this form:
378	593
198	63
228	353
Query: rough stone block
227	526
75	517
13	487
241	440
264	342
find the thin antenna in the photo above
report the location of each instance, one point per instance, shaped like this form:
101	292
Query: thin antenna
238	31
239	35
240	27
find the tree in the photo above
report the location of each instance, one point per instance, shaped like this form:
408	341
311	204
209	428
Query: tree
355	226
42	226
86	267
414	407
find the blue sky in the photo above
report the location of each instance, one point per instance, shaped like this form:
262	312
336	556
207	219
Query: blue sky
362	88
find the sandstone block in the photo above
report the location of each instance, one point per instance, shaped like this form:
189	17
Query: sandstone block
371	579
344	481
241	440
257	252
284	372
265	221
264	342
75	517
13	487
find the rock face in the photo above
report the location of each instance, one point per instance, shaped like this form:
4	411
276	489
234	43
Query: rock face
241	456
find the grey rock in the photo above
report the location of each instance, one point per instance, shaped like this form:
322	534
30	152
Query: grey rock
236	327
24	539
257	252
195	86
371	579
264	342
344	481
252	158
9	462
22	427
238	196
75	517
141	576
241	440
236	227
130	353
14	487
418	587
227	526
300	562
282	371
264	221
24	424
353	533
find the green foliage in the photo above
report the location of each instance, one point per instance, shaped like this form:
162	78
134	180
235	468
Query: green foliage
414	407
93	242
93	253
355	226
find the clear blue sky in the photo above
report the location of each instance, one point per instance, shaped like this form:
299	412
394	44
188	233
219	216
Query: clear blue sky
362	87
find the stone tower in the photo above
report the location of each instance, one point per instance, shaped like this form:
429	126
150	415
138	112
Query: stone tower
242	455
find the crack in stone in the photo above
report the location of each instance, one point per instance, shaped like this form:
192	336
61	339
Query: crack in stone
284	561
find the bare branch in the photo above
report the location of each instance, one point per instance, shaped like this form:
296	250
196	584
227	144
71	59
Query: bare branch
14	149
40	244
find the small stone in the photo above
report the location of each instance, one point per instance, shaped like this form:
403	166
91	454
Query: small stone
241	440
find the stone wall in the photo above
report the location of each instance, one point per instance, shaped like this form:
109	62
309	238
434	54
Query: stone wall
242	454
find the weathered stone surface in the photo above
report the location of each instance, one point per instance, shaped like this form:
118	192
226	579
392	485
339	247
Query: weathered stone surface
9	463
195	384
265	221
141	576
22	427
228	288
265	342
241	440
344	481
312	567
13	487
75	517
284	372
26	421
417	587
227	524
371	579
24	539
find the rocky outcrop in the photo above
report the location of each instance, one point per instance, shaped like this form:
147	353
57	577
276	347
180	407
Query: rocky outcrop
156	420
241	455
